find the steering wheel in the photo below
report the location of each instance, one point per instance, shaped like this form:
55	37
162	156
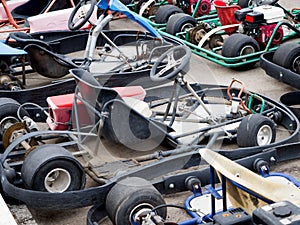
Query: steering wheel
174	61
81	14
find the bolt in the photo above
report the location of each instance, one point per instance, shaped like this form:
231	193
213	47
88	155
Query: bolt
171	186
272	159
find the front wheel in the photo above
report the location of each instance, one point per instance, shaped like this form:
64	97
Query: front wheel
131	198
256	130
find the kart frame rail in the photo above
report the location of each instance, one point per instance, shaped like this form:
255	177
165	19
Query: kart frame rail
271	156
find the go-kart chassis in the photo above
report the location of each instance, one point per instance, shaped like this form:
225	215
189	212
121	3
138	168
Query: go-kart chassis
168	161
271	156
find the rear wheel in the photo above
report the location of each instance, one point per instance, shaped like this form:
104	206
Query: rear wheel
180	22
288	56
126	2
164	12
256	130
51	168
244	3
130	198
240	45
9	113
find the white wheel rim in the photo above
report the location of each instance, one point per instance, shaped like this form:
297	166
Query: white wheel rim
57	180
296	65
264	135
246	50
186	27
139	210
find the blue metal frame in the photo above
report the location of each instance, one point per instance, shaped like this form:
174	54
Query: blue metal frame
196	219
116	5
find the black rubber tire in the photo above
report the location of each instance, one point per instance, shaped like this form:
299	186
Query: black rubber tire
42	160
243	3
126	2
129	193
9	107
286	54
234	44
266	2
179	22
250	127
164	12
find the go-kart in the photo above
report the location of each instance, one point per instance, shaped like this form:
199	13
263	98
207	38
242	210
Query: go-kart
47	165
34	16
244	197
122	56
46	71
245	33
283	64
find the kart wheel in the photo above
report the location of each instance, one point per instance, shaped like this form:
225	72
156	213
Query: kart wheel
131	197
81	14
180	22
288	56
9	113
126	2
51	168
164	12
239	45
175	60
256	130
263	2
244	3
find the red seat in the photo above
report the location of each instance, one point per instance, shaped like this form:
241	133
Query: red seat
226	15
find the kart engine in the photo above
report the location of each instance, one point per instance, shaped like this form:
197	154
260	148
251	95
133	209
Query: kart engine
189	6
260	23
